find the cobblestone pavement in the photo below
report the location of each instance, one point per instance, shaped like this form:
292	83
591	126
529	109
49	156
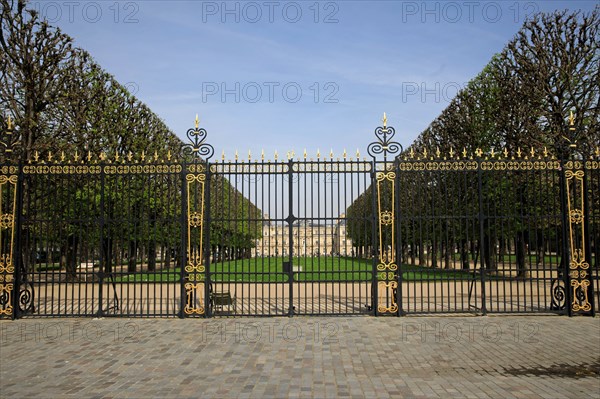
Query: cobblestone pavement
413	357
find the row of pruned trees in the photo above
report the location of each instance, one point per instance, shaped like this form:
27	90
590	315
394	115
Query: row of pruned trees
521	99
524	96
60	101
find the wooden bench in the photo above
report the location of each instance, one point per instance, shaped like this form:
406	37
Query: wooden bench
220	299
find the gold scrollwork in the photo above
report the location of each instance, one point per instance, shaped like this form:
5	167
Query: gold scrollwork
6	265
576	216
578	174
574	274
8	170
387	288
387	266
8	190
194	263
196	168
578	260
8	179
386	218
6	221
6	293
195	222
576	210
195	219
387	259
581	303
190	178
190	290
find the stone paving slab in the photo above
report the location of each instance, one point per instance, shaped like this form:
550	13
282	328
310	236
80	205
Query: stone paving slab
302	357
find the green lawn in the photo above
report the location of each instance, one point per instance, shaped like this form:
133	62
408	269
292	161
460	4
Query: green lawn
313	269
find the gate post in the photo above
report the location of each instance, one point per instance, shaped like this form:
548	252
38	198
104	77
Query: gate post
576	229
196	277
9	228
11	181
386	273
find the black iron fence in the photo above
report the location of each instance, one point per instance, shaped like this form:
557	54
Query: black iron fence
398	233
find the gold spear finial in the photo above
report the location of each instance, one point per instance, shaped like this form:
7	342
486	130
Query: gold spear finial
9	124
197	122
384	120
571	121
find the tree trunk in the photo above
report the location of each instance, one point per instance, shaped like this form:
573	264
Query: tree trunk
71	258
178	257
167	264
151	255
433	253
522	271
489	249
540	248
464	254
131	264
502	249
447	255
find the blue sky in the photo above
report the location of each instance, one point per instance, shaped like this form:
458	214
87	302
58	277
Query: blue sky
284	75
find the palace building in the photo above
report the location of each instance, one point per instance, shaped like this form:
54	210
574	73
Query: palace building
308	239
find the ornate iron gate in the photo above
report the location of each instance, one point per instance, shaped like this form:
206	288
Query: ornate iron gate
299	261
403	232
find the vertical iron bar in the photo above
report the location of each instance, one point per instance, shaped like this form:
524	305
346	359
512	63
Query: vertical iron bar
374	249
206	237
586	237
183	245
17	259
566	255
290	236
398	243
102	233
481	236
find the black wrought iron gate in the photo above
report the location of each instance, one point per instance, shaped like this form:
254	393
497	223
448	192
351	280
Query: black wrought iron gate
399	232
299	259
